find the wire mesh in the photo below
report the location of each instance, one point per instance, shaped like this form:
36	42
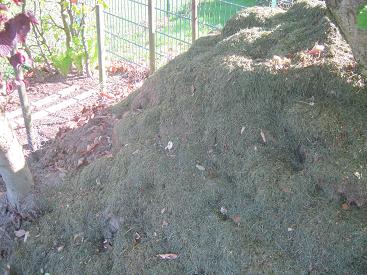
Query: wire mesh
127	32
173	29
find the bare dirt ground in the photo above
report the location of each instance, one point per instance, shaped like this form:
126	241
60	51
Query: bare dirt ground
72	127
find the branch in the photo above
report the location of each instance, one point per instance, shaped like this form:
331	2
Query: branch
55	23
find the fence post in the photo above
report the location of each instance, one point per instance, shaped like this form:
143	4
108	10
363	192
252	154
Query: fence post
101	46
194	20
152	29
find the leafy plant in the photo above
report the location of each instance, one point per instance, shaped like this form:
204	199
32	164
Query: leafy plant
14	31
362	17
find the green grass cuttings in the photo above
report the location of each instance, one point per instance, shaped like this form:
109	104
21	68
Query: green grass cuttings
262	160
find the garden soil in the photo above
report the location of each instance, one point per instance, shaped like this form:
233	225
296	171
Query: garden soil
245	155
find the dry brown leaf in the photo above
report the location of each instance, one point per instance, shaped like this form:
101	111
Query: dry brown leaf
280	62
236	219
169	256
106	95
345	206
107	154
90	147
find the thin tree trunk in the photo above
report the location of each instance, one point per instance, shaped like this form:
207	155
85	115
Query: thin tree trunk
13	168
45	59
26	108
65	25
84	42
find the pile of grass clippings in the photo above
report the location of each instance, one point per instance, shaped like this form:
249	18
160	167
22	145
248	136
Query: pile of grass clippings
225	158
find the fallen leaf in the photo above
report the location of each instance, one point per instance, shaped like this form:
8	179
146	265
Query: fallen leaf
81	161
193	89
358	175
223	210
318	48
26	235
263	135
78	238
169	146
236	219
242	130
20	233
169	256
90	147
280	63
137	237
200	167
106	95
345	206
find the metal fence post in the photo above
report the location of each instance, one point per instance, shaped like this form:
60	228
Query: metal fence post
101	46
194	20
152	29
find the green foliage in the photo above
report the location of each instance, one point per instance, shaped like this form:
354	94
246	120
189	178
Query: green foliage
362	17
93	51
54	33
63	62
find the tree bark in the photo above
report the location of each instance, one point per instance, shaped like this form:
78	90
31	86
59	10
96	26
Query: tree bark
65	25
13	168
345	14
26	108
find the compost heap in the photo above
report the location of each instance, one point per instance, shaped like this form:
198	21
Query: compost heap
228	160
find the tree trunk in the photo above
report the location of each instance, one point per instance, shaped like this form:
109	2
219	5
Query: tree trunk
65	25
345	14
13	168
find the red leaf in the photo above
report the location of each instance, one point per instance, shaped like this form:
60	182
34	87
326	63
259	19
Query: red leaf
10	86
15	31
17	60
3	7
18	2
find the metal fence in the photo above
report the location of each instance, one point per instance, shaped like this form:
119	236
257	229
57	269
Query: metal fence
152	32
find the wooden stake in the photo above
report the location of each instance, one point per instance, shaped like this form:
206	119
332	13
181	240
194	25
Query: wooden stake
152	29
194	20
101	46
